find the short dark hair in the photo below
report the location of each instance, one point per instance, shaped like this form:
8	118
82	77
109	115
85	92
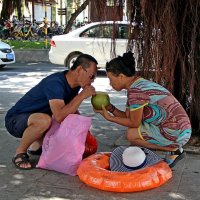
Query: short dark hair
122	65
83	60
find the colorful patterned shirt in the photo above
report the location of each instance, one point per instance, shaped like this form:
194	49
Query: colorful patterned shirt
161	109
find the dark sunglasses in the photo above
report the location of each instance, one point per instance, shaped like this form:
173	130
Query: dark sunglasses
92	76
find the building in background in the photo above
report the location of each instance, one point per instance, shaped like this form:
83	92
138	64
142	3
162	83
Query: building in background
57	10
37	10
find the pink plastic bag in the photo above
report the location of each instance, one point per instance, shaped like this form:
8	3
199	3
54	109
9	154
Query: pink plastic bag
64	144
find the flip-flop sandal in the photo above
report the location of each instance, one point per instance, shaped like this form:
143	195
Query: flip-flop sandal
24	160
179	156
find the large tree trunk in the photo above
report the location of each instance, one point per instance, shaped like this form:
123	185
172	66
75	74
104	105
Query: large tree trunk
75	15
9	6
168	40
7	9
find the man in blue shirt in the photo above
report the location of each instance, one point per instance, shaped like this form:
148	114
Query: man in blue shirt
56	95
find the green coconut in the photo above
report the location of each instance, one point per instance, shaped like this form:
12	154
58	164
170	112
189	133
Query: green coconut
101	98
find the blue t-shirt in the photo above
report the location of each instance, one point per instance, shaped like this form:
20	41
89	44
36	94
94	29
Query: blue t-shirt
37	99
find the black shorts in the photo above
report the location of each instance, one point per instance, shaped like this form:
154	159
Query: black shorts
17	124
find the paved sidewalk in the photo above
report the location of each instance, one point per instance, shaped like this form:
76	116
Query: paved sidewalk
40	184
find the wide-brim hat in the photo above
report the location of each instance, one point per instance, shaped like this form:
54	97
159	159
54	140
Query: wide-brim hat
117	164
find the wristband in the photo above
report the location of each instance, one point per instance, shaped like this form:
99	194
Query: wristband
112	109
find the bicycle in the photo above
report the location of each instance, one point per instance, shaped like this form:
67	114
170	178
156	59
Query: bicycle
19	33
4	33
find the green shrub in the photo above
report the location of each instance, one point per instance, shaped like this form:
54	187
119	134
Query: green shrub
25	44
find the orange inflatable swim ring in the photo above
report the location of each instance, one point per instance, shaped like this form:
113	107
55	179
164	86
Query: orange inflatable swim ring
94	171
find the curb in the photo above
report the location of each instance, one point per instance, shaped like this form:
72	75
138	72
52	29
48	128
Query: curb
33	55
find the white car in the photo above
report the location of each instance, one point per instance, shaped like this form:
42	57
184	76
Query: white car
94	39
7	55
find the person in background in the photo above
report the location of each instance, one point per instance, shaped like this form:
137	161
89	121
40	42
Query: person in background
8	24
57	95
15	20
153	116
34	26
